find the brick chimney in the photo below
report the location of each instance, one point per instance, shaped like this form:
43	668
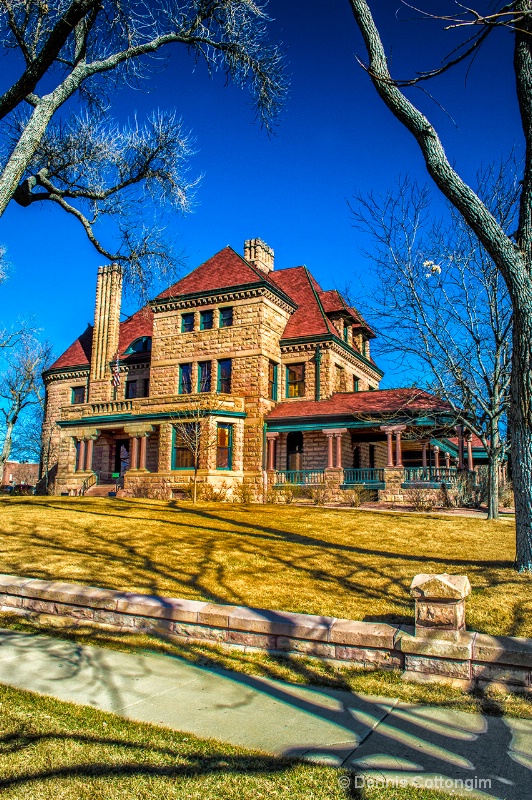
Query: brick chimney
106	331
259	254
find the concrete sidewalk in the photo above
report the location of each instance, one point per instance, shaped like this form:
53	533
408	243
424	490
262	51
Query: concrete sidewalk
375	736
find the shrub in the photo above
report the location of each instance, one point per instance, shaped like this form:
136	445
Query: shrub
319	495
506	495
212	494
243	493
355	496
421	499
290	492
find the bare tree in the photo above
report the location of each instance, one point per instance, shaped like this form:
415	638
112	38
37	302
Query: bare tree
20	387
195	434
81	50
511	254
443	310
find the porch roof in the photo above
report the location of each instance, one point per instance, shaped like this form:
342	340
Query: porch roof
390	404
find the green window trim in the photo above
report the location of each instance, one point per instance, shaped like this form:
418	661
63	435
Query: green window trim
273	380
223	382
224	452
346	333
77	395
187	322
185	379
295	382
206	320
226	317
356	384
180	453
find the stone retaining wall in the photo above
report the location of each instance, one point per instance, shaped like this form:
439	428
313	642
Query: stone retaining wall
467	659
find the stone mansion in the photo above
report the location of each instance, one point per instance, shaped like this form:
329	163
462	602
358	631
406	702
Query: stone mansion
278	371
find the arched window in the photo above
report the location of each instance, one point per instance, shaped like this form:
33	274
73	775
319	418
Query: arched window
294	450
140	345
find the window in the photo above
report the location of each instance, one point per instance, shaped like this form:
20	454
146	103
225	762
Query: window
346	332
356	384
273	371
141	345
206	320
226	317
371	388
131	389
224	448
295	380
78	395
183	446
146	387
224	376
204	376
294	450
185	378
187	323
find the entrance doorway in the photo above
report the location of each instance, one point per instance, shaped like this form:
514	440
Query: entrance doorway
121	456
294	450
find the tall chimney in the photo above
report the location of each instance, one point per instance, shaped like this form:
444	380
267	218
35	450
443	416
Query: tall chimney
259	254
106	330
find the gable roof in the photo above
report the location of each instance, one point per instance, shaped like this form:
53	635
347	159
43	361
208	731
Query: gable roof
380	401
223	270
79	352
309	319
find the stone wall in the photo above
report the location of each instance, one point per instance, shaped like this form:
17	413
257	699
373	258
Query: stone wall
465	659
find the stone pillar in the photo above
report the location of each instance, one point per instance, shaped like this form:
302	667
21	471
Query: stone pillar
339	450
388	430
447	460
143	446
133	452
436	451
330	461
440	604
398	456
90	447
424	454
270	439
469	443
81	456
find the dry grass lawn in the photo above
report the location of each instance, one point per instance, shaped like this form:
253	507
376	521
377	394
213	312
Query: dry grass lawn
343	563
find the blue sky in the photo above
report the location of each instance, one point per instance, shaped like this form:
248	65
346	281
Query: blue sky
334	138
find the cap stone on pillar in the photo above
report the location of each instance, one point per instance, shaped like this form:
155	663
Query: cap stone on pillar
440	603
259	254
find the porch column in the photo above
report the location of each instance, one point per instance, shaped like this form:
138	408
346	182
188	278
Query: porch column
398	429
338	450
469	443
270	440
447	460
424	454
330	460
436	451
388	430
88	455
143	447
81	456
133	458
460	432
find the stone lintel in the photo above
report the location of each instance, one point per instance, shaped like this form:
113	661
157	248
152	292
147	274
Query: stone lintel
138	429
333	431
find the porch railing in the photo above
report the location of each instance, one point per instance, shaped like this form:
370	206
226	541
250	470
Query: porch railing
365	475
430	474
301	477
91	480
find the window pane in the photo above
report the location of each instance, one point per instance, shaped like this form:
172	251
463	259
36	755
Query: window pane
206	320
295	380
226	317
78	395
204	376
272	381
185	379
187	323
224	455
131	389
224	375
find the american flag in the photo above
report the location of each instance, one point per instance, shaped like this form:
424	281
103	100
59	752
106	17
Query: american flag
116	372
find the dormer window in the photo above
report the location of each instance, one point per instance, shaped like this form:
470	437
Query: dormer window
141	345
346	332
226	317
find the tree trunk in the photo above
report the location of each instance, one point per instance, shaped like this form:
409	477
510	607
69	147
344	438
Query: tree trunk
195	486
493	488
7	444
520	424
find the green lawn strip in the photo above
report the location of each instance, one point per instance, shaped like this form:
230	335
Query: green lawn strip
51	749
334	562
292	669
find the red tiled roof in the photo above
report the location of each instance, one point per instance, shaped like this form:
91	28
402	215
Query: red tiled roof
78	354
379	401
332	300
223	270
475	441
309	318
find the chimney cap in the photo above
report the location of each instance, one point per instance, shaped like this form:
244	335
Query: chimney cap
260	254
